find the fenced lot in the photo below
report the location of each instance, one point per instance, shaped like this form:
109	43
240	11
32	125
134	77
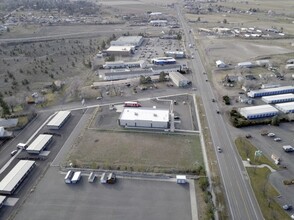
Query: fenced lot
137	151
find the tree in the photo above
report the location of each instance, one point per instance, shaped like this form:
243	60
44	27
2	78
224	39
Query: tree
103	45
225	21
162	77
198	19
179	36
5	108
11	102
275	121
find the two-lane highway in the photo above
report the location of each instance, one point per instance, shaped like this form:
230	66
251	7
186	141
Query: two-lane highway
241	200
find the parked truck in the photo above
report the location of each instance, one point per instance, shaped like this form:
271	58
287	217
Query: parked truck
276	159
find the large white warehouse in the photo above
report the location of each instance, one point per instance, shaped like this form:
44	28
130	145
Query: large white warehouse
278	98
17	174
39	143
286	107
260	111
271	91
144	118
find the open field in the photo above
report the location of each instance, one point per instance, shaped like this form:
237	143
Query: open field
137	151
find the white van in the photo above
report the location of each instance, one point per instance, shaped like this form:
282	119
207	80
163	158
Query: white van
21	146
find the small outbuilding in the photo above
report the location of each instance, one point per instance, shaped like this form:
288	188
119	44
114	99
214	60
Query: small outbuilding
179	79
181	179
220	64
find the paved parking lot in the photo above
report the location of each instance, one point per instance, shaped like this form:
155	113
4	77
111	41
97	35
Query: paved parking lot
127	199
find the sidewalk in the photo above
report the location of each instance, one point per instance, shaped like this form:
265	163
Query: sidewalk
247	164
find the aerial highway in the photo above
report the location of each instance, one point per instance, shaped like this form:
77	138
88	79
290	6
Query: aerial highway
241	201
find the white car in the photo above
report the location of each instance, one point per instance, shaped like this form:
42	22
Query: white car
292	216
219	149
277	139
271	135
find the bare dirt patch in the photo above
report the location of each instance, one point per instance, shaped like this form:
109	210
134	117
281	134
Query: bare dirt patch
137	151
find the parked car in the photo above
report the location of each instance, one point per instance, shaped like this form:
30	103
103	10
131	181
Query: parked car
21	146
213	100
287	207
13	152
271	135
277	139
248	136
111	178
292	216
219	149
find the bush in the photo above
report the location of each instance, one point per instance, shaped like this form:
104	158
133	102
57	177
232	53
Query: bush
203	182
227	100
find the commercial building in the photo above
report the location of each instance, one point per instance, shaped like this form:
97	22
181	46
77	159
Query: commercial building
175	54
271	91
135	41
14	178
120	50
144	118
122	64
278	98
39	143
158	22
155	70
179	79
260	111
59	119
286	107
163	60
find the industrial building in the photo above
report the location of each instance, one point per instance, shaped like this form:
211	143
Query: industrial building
39	143
286	107
155	70
175	54
135	41
59	119
144	118
163	60
278	98
179	79
122	64
14	178
120	50
271	91
260	111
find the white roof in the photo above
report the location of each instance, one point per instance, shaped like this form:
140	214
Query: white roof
271	98
128	39
276	89
9	182
181	177
120	48
2	198
39	143
255	110
58	118
285	106
145	114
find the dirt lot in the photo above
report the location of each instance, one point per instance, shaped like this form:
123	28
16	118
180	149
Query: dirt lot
137	151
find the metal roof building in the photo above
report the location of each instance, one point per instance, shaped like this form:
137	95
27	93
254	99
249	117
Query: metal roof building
144	118
260	111
39	143
128	41
179	79
286	107
271	91
58	120
14	178
278	98
120	50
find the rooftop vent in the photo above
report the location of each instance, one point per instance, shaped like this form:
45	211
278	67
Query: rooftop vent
155	115
136	113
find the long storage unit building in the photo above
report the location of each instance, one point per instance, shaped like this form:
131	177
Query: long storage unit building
14	178
59	119
39	143
287	107
271	91
260	111
278	98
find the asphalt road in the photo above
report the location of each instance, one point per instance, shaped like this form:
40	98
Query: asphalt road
241	200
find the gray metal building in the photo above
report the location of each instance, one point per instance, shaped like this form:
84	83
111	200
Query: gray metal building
59	119
14	178
179	79
39	143
144	118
